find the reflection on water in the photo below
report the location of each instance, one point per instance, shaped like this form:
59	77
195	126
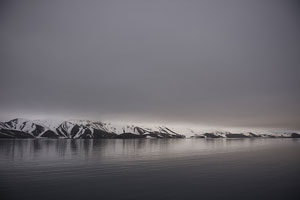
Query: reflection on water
149	168
47	149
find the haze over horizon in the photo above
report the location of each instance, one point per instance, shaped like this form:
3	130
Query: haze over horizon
228	63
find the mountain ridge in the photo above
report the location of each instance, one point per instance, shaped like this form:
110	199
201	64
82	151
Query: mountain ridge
84	129
22	128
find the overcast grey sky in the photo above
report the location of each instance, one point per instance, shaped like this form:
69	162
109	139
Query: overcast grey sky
228	63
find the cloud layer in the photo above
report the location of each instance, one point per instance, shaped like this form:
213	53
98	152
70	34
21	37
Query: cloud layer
231	63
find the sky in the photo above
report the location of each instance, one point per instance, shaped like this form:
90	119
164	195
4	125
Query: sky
228	63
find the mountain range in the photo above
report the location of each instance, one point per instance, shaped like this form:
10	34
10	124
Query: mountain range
22	128
76	129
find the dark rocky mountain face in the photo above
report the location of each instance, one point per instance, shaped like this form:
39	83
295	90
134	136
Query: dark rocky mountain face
7	133
295	135
129	136
237	135
100	134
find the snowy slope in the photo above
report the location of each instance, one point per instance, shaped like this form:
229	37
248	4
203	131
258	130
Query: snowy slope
27	126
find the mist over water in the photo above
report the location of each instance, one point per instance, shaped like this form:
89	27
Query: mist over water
150	169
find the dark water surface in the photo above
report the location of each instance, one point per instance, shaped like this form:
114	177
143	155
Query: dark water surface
150	169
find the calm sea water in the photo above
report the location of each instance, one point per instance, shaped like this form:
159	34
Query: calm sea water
150	169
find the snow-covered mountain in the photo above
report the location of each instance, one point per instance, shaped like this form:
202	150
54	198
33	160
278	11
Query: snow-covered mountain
220	134
22	128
